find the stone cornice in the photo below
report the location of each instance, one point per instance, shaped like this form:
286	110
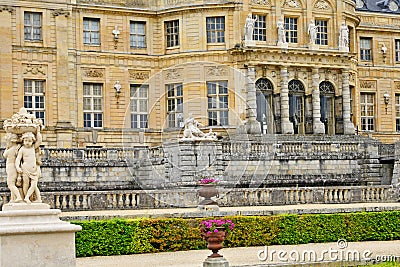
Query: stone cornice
7	8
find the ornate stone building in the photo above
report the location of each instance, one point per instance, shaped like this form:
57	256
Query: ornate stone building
113	73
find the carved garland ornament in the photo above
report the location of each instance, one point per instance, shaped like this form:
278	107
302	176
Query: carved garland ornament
261	2
139	75
216	71
60	12
93	73
173	74
322	4
368	84
291	3
35	69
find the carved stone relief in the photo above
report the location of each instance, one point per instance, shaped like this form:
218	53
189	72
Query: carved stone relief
60	12
322	4
139	75
368	84
261	2
93	73
216	71
7	8
397	85
291	3
34	69
173	74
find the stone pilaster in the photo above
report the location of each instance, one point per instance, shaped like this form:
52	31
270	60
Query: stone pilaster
287	126
318	126
347	124
6	84
64	126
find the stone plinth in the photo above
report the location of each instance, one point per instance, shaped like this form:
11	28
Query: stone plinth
33	235
216	262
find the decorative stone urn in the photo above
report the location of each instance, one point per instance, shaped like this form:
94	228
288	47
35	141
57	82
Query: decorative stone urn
208	191
214	241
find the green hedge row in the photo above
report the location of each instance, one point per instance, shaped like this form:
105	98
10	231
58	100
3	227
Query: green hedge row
122	237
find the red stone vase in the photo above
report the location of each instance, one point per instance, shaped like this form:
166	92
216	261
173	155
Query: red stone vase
208	191
214	241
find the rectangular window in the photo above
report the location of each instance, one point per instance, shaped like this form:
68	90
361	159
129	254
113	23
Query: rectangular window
397	50
139	106
365	49
138	34
34	97
172	33
33	26
322	32
91	31
93	105
397	112
367	103
217	94
175	104
260	28
216	30
291	30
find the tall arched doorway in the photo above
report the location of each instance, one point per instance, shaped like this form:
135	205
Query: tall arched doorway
327	106
296	105
265	116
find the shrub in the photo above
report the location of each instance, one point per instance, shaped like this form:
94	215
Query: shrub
130	236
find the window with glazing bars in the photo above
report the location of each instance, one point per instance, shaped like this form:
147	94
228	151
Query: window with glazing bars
91	31
172	33
34	99
291	29
174	104
33	26
93	105
139	106
138	34
367	111
217	94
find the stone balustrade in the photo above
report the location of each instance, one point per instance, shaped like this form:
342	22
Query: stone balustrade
141	199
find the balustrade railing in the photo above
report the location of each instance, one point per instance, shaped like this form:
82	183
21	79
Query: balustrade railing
141	199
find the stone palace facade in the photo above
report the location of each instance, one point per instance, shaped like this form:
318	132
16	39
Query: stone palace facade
116	73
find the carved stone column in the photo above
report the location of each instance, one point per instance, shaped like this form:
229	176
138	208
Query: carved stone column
318	126
6	84
252	126
347	124
287	126
64	126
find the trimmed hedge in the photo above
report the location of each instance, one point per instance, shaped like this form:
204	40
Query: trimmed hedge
131	236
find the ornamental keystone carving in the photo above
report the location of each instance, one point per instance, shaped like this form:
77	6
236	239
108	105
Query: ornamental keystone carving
60	12
216	71
139	74
35	69
368	84
93	73
260	2
173	74
322	4
291	3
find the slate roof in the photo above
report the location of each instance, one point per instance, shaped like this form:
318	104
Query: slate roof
383	6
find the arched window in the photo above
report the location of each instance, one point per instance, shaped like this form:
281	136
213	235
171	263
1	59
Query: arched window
296	105
327	106
265	115
326	87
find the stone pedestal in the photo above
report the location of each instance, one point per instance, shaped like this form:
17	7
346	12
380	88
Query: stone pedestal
33	235
343	49
313	47
283	45
249	43
216	262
